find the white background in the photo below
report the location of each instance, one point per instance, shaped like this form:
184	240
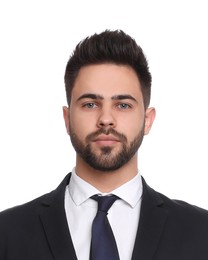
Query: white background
36	39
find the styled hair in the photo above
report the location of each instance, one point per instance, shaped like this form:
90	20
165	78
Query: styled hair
109	47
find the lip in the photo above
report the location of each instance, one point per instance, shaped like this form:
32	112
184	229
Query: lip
106	140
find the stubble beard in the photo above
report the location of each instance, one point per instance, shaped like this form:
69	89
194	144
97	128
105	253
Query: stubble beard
107	159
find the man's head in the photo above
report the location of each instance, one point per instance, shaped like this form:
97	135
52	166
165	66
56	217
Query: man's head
108	92
109	47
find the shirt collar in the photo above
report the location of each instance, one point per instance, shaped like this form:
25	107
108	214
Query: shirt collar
80	190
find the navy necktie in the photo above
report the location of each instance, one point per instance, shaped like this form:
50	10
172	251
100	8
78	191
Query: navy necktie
103	244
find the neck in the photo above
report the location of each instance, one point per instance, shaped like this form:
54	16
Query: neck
106	181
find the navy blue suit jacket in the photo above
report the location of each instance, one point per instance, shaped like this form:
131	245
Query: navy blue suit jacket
167	230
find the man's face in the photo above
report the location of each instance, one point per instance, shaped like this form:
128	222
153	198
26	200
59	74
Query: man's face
106	119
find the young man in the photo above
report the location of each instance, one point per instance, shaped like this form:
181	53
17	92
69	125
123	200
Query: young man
108	87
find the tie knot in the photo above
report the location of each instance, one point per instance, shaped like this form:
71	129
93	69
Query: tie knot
105	202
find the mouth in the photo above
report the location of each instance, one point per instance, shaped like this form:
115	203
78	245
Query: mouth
104	140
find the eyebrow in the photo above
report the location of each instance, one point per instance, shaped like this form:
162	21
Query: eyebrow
125	96
90	96
99	97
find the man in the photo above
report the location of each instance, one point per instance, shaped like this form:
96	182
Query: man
108	85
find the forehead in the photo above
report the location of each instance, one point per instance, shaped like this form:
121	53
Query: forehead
107	80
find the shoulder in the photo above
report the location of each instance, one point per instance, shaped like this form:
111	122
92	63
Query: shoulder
20	210
20	220
186	218
184	226
21	227
178	210
182	208
29	211
17	224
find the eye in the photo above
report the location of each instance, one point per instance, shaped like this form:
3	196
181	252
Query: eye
124	106
90	105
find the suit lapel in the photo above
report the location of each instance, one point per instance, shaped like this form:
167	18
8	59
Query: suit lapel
54	222
55	225
151	224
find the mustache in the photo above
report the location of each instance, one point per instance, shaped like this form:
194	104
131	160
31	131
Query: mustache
107	131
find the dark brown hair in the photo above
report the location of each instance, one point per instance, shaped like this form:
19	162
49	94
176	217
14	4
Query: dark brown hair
109	47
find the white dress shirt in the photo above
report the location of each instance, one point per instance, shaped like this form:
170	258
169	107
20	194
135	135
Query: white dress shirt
123	215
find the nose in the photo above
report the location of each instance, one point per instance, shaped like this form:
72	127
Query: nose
106	118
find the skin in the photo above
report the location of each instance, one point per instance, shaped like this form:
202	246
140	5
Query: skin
107	96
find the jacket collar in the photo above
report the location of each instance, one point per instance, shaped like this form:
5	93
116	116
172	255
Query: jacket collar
152	221
55	225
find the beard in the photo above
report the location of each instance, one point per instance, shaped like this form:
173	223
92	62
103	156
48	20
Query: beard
107	159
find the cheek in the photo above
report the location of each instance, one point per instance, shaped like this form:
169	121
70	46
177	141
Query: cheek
81	125
76	119
131	131
132	125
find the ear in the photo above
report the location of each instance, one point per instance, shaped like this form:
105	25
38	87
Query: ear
66	118
149	119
